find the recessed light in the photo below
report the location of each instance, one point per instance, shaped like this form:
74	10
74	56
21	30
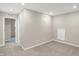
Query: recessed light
50	13
74	6
11	9
23	4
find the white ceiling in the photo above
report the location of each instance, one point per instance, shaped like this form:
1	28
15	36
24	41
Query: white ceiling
47	8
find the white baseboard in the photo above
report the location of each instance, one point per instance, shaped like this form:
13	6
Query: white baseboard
1	45
67	43
6	40
64	42
35	45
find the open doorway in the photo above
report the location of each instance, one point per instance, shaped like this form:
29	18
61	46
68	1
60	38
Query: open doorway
10	30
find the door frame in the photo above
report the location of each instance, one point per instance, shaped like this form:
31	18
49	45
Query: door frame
4	29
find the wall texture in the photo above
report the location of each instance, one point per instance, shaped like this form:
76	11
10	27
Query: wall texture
34	28
1	29
70	22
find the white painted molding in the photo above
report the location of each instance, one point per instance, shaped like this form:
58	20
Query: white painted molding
67	43
35	45
1	45
3	32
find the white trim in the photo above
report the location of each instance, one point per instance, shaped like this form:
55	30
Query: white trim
15	31
35	45
6	40
64	42
5	16
1	45
67	43
17	34
3	32
18	31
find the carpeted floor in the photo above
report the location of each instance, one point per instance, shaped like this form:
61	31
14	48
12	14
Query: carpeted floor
50	49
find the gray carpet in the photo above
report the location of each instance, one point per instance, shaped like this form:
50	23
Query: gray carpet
50	49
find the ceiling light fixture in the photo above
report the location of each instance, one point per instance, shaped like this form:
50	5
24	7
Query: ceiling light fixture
23	4
74	6
11	9
50	13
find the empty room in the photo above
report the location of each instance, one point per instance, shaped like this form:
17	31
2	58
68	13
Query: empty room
39	29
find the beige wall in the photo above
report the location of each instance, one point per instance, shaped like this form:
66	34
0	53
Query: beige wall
1	29
34	28
70	22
